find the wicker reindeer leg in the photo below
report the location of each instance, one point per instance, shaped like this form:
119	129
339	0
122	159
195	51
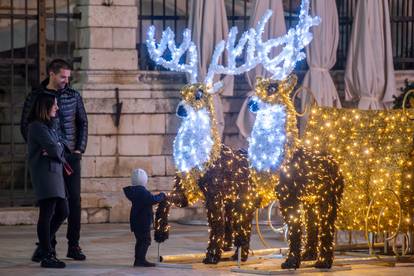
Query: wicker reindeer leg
244	236
177	198
311	241
214	207
228	227
161	227
291	216
243	228
327	216
329	208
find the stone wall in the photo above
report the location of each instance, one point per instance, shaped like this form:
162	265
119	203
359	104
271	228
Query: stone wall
106	37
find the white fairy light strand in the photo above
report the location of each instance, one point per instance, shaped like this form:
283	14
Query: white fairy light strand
233	51
257	51
268	137
194	140
156	51
294	42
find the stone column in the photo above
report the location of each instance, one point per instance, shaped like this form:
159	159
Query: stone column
106	38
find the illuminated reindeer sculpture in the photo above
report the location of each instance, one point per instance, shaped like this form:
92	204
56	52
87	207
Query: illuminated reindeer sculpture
281	166
206	168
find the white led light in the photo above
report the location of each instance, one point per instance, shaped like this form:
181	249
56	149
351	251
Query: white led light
156	51
267	142
194	140
293	43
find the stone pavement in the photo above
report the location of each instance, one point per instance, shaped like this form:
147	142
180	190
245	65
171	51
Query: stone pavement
109	248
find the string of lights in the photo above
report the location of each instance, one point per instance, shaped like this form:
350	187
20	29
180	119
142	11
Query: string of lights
374	151
307	183
222	182
206	169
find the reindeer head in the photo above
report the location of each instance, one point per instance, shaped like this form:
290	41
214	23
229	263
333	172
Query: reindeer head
275	134
274	128
198	143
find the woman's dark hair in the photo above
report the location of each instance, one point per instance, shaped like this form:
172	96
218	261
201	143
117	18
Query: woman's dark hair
41	107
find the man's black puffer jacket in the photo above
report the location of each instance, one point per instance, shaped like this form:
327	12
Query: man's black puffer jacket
72	121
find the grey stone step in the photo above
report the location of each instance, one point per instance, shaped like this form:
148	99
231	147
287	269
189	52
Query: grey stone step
18	215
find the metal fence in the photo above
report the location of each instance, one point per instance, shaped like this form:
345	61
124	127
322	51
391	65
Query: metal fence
174	13
32	33
402	22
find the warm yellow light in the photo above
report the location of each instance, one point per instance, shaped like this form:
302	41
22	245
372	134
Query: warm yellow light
373	149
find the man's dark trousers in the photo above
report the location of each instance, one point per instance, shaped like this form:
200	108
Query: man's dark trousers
73	185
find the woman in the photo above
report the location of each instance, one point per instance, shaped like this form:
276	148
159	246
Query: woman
46	168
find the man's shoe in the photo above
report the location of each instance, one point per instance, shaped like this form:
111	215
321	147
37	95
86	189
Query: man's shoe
50	261
143	263
75	252
39	254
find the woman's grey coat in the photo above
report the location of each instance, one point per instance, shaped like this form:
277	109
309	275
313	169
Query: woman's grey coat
46	171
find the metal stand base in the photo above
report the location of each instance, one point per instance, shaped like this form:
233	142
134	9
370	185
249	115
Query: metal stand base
288	271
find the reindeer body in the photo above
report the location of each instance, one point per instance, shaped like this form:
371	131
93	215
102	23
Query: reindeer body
303	179
311	180
230	201
213	172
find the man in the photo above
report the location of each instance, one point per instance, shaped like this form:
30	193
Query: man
72	127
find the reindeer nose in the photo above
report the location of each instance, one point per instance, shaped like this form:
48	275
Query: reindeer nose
181	111
253	105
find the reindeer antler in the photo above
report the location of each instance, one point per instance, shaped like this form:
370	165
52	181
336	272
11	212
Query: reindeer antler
257	51
234	51
295	41
157	50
